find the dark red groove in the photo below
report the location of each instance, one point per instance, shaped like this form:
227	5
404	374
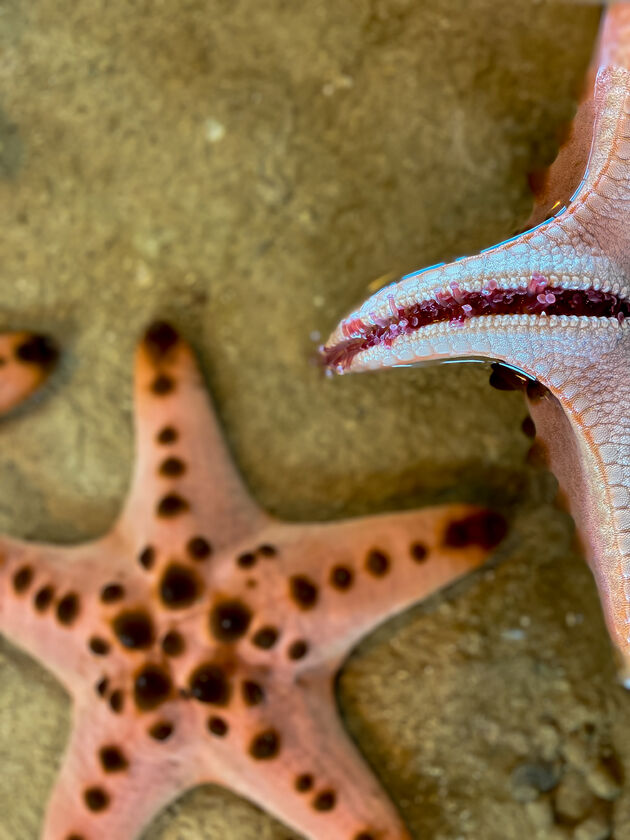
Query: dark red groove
461	305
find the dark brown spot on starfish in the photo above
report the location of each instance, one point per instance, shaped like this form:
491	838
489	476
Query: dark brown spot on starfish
341	578
172	467
528	427
173	643
419	552
171	505
161	731
111	593
377	562
96	799
117	701
365	835
101	687
162	385
133	629
217	726
303	591
68	609
75	837
267	550
112	759
253	693
199	548
265	745
43	598
98	646
246	560
265	638
298	649
160	338
229	621
209	684
146	558
179	587
22	579
485	529
38	350
152	687
304	782
505	378
325	800
167	435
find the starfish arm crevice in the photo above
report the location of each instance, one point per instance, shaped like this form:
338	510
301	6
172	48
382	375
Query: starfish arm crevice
184	470
318	783
360	572
50	602
114	778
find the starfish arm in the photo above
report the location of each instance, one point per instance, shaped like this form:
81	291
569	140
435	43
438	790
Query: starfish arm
183	468
358	573
305	770
114	776
614	46
555	304
25	362
586	434
51	606
584	248
561	181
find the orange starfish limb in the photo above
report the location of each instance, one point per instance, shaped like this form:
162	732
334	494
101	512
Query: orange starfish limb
200	638
25	363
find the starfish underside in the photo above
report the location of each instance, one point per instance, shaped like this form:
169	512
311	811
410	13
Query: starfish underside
200	638
553	303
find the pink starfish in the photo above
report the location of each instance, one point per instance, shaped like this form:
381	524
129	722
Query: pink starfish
553	303
200	638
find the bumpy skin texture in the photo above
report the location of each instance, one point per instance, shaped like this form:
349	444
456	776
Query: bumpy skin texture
200	638
584	417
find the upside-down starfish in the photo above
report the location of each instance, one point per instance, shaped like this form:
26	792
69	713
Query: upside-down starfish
200	638
553	303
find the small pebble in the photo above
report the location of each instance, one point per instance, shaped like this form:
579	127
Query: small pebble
575	753
602	782
531	779
548	741
215	131
573	799
594	828
540	814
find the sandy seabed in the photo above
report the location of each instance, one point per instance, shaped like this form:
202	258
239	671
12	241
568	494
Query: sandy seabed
247	168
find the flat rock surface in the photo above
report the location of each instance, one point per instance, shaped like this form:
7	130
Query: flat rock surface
247	169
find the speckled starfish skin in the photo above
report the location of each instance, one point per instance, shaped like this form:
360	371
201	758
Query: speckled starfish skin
553	303
200	638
